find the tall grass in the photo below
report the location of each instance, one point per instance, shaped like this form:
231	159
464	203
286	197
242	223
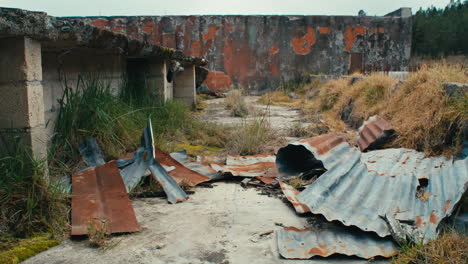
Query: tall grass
424	116
29	201
235	102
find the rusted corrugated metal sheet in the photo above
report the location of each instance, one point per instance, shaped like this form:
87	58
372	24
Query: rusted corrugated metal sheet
374	133
362	196
134	169
294	243
249	166
91	153
181	172
291	194
199	167
266	180
99	195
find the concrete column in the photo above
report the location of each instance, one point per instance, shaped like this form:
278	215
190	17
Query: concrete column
21	94
158	85
184	86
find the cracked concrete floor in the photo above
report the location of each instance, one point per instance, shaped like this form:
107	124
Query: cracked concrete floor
216	225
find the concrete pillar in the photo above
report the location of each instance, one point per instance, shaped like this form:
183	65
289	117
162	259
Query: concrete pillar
21	94
184	86
158	85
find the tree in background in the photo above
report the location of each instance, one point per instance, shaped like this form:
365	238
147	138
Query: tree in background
441	32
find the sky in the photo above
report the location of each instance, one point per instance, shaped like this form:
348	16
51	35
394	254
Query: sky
217	7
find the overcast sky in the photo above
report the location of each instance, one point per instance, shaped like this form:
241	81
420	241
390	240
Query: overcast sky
218	7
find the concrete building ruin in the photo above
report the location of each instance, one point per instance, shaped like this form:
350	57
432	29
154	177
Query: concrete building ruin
39	53
258	53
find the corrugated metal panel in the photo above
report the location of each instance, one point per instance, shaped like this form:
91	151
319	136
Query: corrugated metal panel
203	169
189	176
99	195
355	195
291	194
266	180
374	133
262	165
143	160
296	243
91	153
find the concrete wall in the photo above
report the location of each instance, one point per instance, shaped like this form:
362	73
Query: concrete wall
56	66
158	85
184	85
259	52
21	100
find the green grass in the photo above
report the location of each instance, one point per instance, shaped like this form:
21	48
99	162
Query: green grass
29	201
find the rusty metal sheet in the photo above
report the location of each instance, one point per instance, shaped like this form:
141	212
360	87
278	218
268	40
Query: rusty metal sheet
266	180
99	195
294	243
180	172
250	160
91	153
262	165
252	170
135	168
374	133
199	167
291	194
361	195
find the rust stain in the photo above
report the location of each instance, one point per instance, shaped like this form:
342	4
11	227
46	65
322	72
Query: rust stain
99	194
228	27
324	143
211	33
217	80
195	49
292	228
100	23
321	250
447	205
351	35
324	30
433	218
302	45
148	25
274	50
381	30
266	180
419	221
180	172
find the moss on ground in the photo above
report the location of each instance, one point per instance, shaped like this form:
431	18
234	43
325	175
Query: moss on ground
15	250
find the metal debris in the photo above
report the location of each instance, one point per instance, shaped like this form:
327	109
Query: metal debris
375	132
248	166
294	243
134	169
358	195
91	153
180	172
291	194
99	196
203	169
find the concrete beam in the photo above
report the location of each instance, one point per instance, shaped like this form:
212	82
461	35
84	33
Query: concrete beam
21	100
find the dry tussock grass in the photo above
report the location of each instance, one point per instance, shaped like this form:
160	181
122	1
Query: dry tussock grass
235	102
450	247
426	119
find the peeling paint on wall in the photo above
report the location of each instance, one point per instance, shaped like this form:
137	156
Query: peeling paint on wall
259	52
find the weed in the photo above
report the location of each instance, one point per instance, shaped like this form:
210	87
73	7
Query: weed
252	137
98	234
235	102
29	201
449	247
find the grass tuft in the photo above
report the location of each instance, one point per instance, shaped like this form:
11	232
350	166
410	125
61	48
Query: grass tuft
235	102
278	97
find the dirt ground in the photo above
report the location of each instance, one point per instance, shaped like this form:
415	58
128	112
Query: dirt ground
216	225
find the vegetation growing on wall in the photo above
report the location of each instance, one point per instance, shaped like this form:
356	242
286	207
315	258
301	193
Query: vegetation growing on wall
439	32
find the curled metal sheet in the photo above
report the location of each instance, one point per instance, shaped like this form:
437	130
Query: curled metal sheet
374	133
203	169
362	196
132	170
91	153
181	172
173	191
99	196
262	165
291	194
294	243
